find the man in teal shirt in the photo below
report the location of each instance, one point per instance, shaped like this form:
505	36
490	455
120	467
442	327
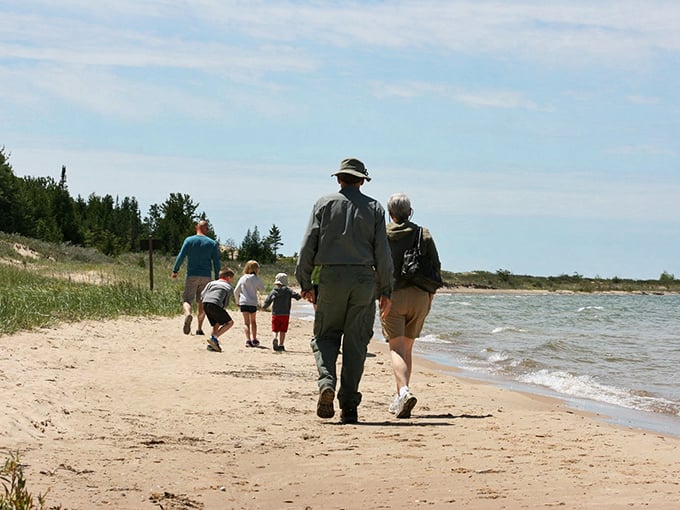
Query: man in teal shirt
203	254
345	236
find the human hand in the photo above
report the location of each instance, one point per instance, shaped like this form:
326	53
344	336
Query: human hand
385	306
308	295
173	276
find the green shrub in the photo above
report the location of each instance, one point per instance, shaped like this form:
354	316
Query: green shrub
15	495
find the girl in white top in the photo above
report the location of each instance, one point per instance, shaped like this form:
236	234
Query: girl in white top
245	295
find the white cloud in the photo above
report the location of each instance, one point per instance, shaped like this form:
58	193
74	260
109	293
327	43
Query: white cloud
644	100
211	182
649	149
607	32
495	99
475	99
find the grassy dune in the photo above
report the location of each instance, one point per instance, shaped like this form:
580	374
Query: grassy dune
42	284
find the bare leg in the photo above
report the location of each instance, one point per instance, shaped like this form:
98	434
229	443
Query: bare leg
218	331
201	315
282	337
400	352
187	308
246	320
253	324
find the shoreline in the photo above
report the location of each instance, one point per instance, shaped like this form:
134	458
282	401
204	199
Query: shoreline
645	421
132	414
474	290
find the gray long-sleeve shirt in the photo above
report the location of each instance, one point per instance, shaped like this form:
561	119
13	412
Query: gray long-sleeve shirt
217	292
280	298
346	228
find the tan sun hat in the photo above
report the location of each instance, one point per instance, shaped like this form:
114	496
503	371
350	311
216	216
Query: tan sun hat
353	167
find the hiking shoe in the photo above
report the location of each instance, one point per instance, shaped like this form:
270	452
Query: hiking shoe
349	415
215	344
405	405
187	324
324	406
394	405
199	332
275	344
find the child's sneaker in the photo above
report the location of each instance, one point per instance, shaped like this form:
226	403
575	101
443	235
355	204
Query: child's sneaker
249	343
275	344
255	342
215	344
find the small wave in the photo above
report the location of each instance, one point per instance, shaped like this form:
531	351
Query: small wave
498	357
555	345
584	386
505	362
525	364
586	308
432	339
511	329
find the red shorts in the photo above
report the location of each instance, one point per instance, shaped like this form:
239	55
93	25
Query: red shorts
280	323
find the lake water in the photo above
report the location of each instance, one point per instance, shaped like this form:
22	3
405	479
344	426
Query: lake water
618	355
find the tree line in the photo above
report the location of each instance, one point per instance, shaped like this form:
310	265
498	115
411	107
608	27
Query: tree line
42	208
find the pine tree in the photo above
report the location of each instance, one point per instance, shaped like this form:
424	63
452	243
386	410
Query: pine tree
273	241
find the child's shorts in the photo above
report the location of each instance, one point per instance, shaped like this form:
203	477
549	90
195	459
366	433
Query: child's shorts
280	323
216	314
248	308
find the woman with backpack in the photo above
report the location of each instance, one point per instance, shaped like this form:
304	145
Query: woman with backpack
415	284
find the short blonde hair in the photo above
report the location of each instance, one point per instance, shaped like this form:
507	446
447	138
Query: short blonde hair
252	267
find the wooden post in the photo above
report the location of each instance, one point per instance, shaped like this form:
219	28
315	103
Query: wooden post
150	263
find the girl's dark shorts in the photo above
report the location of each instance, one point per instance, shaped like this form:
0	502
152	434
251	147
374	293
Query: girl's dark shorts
248	308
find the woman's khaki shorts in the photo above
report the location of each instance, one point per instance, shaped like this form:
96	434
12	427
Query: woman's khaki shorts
410	307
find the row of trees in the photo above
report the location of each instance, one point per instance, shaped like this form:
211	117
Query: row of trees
42	208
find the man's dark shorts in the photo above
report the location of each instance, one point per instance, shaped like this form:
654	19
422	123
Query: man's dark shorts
216	314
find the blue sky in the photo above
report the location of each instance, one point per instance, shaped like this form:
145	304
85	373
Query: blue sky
539	137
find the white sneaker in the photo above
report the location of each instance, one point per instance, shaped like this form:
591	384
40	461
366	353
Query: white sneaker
405	405
394	405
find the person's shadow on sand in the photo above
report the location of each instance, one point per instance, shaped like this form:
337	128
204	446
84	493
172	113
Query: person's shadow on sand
409	422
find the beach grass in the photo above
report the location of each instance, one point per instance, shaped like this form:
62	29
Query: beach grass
15	495
43	284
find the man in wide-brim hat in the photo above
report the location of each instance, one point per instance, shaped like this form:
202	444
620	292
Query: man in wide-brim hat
345	236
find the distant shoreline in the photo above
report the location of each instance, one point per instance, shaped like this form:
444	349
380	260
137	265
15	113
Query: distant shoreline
473	290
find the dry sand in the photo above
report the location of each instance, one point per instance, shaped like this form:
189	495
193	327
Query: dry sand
132	414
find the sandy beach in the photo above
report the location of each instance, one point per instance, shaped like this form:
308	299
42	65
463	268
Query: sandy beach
132	414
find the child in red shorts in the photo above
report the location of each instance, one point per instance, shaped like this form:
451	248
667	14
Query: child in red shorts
280	297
